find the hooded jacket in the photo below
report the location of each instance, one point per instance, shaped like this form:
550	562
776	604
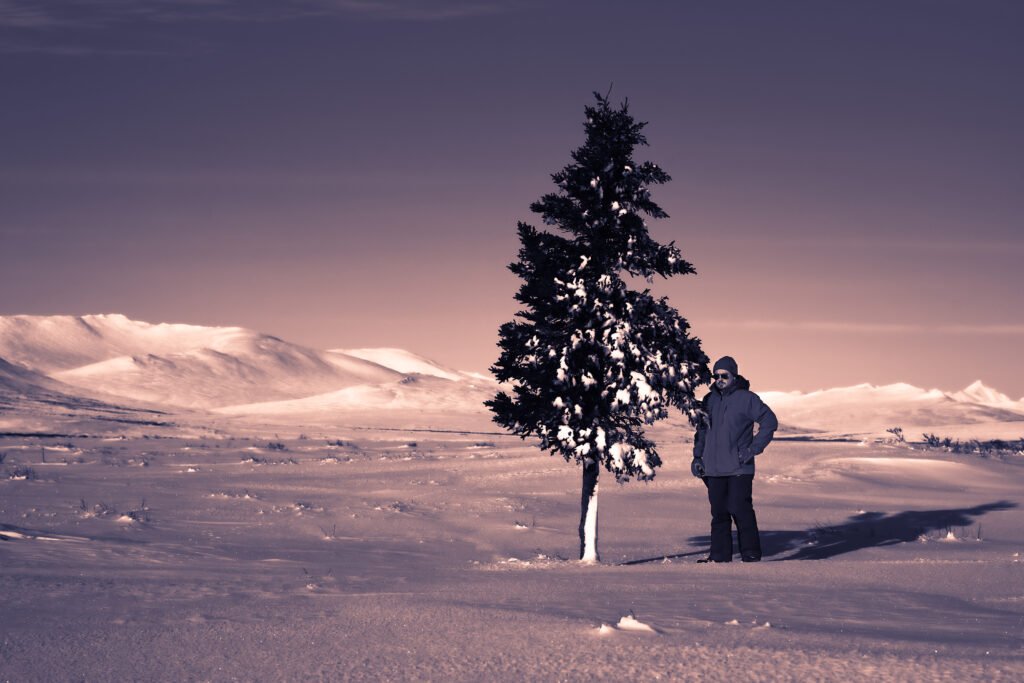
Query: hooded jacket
725	442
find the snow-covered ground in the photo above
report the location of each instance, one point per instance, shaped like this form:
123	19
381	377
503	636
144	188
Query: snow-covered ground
368	555
190	508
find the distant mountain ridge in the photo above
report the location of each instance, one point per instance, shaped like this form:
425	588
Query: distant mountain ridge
977	392
234	371
180	365
869	408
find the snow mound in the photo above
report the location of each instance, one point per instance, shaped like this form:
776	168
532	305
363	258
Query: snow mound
631	623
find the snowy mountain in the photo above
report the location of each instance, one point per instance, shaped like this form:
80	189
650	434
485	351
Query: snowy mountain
178	365
49	344
97	360
250	368
866	408
232	371
979	393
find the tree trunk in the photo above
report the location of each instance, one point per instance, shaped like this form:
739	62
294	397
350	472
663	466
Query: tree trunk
588	513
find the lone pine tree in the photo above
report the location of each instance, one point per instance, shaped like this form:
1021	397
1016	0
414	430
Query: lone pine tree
590	361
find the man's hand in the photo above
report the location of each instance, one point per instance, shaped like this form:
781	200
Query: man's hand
697	467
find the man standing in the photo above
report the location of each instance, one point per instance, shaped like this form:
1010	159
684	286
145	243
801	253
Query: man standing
723	456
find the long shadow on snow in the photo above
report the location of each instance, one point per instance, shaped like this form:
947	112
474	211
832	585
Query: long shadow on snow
877	529
34	534
866	530
662	558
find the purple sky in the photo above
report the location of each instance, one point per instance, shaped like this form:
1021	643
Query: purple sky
848	177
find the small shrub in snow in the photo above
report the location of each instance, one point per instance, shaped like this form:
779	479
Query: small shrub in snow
244	495
100	509
397	506
139	516
255	460
897	433
22	473
275	446
991	447
3	456
315	583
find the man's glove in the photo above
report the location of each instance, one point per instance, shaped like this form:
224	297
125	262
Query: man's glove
746	456
697	467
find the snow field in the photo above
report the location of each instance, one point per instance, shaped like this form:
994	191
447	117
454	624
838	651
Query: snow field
380	559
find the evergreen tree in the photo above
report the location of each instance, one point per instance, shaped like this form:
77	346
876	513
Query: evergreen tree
590	361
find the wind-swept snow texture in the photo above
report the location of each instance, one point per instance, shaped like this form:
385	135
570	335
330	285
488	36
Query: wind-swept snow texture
408	556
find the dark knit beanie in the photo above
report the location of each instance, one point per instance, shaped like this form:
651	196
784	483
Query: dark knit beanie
727	363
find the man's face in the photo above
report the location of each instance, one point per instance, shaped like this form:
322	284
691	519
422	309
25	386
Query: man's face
723	379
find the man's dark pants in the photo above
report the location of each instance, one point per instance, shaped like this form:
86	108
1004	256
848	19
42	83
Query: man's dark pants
732	501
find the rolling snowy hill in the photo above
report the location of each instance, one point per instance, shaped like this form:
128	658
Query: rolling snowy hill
240	373
404	362
178	365
866	409
19	380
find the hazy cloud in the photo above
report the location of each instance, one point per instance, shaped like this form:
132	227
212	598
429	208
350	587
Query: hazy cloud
81	27
411	10
30	14
79	50
20	14
869	328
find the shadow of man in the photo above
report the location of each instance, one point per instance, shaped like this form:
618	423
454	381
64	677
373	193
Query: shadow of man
867	530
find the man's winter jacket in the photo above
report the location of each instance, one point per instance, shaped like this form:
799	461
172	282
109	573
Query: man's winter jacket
725	444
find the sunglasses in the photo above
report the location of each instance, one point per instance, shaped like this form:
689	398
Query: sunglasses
722	375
